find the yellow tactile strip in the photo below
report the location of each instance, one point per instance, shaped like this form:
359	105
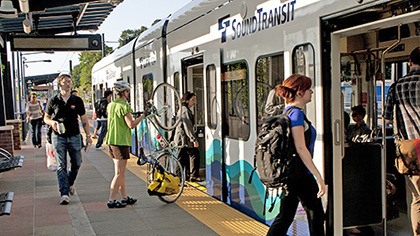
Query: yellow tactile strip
218	216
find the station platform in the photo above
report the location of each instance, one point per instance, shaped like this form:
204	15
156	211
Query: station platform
36	209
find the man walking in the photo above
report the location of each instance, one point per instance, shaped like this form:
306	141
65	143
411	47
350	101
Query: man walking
62	115
102	117
404	95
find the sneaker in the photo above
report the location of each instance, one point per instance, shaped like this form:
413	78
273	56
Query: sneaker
195	179
115	204
72	190
64	200
100	148
129	201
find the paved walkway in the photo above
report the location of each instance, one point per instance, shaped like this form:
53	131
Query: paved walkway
36	209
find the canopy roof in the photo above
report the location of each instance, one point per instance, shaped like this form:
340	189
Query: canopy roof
63	16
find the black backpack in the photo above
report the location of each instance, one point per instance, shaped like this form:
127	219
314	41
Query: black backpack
275	154
100	108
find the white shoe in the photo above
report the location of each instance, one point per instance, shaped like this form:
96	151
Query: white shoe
64	200
100	148
72	190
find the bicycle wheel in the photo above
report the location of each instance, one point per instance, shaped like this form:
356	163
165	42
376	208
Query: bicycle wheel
172	165
168	103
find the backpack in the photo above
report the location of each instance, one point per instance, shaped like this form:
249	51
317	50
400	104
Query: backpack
100	108
275	154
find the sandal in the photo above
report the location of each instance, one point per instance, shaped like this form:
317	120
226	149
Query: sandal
129	201
115	204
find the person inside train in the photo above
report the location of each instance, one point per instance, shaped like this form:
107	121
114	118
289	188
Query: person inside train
403	96
359	131
273	105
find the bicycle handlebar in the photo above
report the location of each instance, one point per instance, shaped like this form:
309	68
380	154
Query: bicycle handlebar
137	113
151	110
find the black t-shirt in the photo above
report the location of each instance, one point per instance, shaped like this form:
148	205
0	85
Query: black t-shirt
66	113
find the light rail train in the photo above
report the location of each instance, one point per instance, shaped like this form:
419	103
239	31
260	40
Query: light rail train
232	52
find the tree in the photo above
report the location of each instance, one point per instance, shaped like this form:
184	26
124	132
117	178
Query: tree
76	76
129	34
82	73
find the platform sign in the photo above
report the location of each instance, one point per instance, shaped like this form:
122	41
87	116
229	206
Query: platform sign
91	42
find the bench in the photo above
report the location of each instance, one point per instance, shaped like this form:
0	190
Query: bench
8	161
6	200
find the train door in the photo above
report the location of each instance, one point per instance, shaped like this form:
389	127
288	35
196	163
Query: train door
358	170
215	173
193	81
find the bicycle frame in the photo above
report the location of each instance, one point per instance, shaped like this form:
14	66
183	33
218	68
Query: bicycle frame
163	145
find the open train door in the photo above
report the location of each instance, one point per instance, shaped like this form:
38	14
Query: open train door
356	174
193	81
214	153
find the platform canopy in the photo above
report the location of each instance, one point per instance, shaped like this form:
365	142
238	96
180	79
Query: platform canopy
47	17
41	79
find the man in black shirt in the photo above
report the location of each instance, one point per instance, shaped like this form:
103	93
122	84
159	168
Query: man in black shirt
62	115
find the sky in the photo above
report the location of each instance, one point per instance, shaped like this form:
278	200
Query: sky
130	14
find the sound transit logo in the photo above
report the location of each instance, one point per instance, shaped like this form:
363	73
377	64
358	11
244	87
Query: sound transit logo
262	20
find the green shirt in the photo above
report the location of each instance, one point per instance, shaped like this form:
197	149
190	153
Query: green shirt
118	131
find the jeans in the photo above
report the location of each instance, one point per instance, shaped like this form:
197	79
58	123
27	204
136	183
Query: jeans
36	131
104	129
304	190
73	146
413	186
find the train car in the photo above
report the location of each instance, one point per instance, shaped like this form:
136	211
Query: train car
232	53
116	66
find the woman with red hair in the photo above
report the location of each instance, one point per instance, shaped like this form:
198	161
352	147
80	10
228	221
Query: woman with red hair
308	185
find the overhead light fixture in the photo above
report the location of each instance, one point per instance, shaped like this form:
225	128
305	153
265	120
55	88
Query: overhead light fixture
24	6
7	10
27	24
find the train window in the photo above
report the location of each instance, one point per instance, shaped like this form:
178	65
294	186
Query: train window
211	96
269	73
303	60
147	81
236	100
177	83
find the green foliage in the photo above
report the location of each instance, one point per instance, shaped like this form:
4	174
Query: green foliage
87	60
81	73
129	34
76	76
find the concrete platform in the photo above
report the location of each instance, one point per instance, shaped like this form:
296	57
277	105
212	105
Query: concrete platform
36	209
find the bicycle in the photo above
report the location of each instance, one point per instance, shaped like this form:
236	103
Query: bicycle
163	154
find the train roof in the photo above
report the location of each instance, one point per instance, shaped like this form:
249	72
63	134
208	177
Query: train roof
192	11
151	34
182	16
114	56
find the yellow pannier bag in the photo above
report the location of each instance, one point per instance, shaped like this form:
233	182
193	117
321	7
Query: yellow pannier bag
163	183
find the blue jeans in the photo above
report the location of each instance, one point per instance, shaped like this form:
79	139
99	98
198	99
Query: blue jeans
36	131
102	134
73	146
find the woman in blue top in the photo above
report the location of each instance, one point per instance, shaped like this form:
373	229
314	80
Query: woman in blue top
308	187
